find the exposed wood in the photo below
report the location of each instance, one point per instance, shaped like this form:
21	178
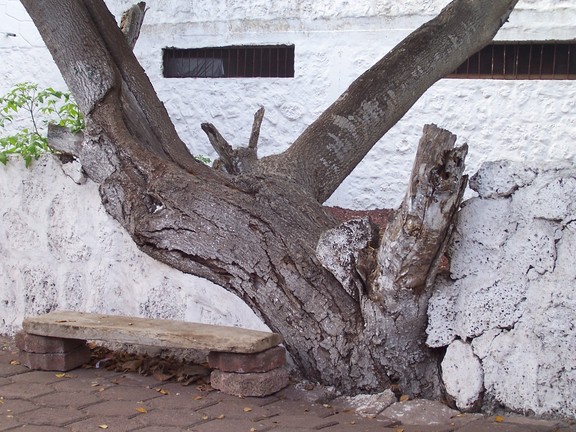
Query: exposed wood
153	332
131	23
414	240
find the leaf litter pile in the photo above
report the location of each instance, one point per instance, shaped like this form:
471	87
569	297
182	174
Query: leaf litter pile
161	368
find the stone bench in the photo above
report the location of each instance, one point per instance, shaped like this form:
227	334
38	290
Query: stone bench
245	362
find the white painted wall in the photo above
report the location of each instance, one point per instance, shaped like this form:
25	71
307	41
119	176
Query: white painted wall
335	42
510	300
61	250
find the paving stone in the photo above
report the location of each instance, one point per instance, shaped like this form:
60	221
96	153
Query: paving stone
176	401
230	425
15	406
45	344
28	391
7	369
77	400
36	377
243	363
116	408
71	383
489	425
35	428
128	393
170	417
49	416
56	362
250	384
160	429
8	422
116	424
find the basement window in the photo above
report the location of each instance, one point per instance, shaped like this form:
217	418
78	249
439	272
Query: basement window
521	61
264	61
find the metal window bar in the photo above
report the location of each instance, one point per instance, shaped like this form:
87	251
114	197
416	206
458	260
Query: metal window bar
539	60
229	62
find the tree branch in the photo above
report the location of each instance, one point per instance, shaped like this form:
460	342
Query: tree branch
258	117
331	147
414	240
131	23
97	62
235	161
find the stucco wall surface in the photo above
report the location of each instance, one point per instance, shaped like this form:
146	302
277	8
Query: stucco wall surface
60	249
335	41
511	297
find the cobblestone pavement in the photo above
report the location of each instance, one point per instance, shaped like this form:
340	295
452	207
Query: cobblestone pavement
94	400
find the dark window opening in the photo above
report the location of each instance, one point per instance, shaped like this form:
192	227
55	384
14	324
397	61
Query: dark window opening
274	61
521	61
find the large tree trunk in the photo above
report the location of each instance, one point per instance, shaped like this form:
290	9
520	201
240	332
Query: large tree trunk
355	321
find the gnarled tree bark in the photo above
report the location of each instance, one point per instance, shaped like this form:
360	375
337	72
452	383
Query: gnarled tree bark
255	231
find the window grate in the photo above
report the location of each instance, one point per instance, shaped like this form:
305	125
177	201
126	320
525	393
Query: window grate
269	61
521	61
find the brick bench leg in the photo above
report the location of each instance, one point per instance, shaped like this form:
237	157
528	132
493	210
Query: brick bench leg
50	353
260	374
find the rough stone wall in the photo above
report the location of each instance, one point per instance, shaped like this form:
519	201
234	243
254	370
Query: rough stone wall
334	43
508	307
60	249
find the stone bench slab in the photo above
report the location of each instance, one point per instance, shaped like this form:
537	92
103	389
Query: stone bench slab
154	332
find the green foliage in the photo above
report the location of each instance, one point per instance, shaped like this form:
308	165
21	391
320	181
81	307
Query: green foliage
34	109
204	159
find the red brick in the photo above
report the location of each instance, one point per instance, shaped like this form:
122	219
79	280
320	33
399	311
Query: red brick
250	384
56	362
264	361
45	344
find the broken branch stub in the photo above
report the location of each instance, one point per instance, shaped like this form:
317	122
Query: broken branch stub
414	241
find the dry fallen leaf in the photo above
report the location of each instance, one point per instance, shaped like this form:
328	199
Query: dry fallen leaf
197	397
15	363
141	410
205	417
103	426
498	419
60	375
221	416
404	398
161	391
247	409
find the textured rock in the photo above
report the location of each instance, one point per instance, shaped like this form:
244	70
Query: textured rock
244	363
510	289
420	412
369	405
463	376
250	384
